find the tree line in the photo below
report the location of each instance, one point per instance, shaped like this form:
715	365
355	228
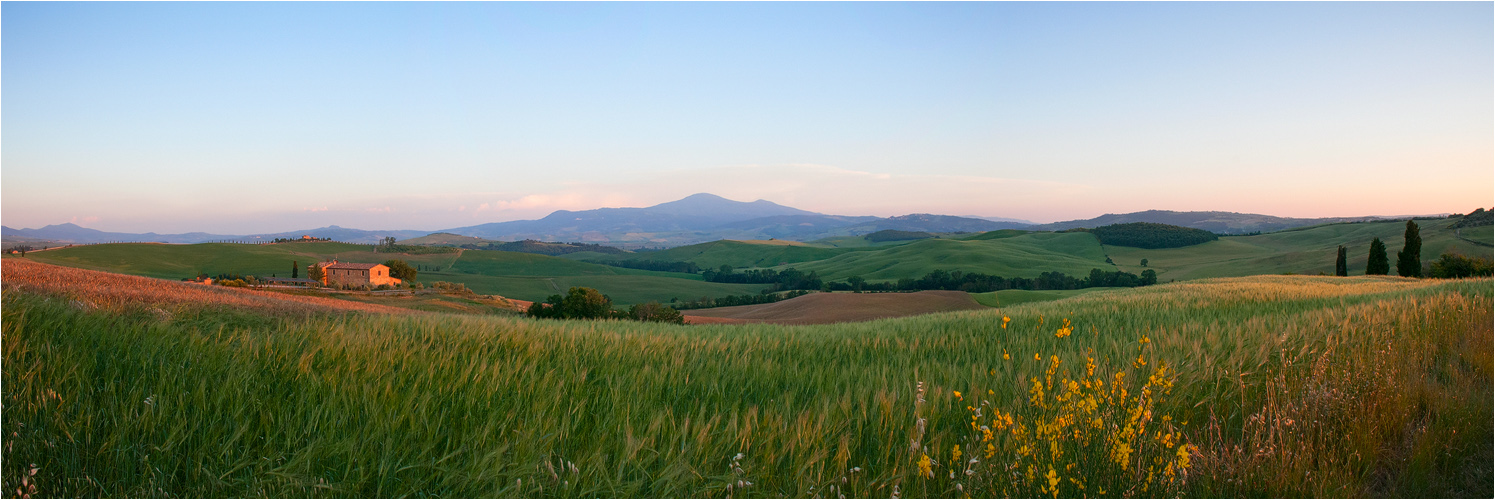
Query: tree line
788	279
652	265
940	279
740	300
587	303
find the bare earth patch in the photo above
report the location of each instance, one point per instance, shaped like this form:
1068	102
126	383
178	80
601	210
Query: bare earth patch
820	308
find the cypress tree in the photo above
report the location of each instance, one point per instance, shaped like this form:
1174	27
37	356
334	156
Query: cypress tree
1341	267
1377	264
295	269
1409	259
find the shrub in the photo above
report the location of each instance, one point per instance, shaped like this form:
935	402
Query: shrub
1452	265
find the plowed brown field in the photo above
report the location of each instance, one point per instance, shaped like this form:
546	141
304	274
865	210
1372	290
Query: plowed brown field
820	308
119	291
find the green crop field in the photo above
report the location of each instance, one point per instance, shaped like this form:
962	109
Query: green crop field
1245	387
1309	250
1018	256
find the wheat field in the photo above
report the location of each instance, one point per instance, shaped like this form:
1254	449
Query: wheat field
1239	387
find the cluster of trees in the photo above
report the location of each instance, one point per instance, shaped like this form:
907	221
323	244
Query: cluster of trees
652	265
587	303
940	279
740	300
388	247
1150	235
1479	217
788	279
399	269
1452	265
896	235
544	247
293	240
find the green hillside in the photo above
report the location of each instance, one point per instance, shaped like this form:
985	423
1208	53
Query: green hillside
444	239
183	261
1309	250
742	253
1024	255
522	276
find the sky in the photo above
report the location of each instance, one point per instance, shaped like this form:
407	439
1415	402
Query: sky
239	118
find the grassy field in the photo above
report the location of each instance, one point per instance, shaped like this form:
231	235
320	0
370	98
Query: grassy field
1248	387
522	276
1024	255
1480	234
1309	250
1004	298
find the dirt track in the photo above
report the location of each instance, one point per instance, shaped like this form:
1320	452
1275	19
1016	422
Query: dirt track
820	308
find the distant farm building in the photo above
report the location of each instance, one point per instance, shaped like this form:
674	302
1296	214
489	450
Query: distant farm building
349	273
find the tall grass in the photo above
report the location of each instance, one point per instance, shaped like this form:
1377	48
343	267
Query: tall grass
1288	386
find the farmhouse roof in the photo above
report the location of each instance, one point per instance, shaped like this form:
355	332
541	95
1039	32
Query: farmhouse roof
352	265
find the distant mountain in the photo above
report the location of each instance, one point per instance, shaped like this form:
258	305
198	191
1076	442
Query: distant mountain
1216	222
343	234
795	227
931	223
1001	219
72	233
695	213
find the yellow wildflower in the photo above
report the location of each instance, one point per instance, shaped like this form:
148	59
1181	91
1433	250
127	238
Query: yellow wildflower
957	395
1005	320
926	467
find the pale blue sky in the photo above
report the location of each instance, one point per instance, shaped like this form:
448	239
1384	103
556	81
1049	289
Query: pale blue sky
236	118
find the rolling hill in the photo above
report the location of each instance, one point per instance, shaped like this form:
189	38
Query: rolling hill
1024	255
1308	250
522	276
697	212
740	253
1216	222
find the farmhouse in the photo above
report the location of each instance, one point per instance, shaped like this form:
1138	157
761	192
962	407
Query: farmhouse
349	273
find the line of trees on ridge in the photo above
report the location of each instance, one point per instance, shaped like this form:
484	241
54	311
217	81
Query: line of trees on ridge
973	282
